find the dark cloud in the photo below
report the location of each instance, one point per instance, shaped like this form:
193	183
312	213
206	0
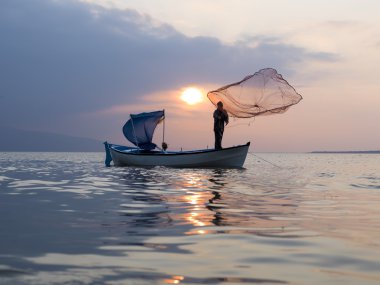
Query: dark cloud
62	58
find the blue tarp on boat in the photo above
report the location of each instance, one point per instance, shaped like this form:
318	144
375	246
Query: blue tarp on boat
139	128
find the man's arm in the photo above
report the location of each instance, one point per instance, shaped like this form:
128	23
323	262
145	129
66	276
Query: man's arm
226	117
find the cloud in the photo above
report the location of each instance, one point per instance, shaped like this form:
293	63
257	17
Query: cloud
61	59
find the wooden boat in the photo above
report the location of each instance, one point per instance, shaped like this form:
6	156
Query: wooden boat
231	157
139	130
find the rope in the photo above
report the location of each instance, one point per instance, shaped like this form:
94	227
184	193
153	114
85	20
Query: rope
267	161
241	124
249	124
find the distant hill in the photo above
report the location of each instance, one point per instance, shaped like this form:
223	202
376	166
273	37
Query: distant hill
351	151
22	140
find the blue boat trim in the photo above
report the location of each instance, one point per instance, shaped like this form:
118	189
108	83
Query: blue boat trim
108	159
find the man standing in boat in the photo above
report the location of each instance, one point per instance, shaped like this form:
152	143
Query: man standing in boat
220	117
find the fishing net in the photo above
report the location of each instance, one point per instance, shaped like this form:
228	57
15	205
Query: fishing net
263	93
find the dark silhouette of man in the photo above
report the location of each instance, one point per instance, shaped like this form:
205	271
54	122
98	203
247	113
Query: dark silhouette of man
220	118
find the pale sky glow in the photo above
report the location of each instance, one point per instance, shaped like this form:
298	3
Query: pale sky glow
129	56
346	92
233	20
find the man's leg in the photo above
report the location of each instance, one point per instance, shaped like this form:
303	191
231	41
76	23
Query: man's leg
218	139
221	138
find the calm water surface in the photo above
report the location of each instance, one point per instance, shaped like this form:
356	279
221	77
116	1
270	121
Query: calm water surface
66	219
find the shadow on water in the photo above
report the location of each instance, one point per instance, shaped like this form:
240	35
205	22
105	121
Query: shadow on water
218	179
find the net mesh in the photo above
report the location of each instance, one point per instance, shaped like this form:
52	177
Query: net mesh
263	93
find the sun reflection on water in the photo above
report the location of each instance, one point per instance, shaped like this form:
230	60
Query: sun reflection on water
174	280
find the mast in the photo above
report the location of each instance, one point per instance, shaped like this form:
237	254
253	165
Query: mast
163	128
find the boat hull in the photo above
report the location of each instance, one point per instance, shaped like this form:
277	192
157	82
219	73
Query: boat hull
232	157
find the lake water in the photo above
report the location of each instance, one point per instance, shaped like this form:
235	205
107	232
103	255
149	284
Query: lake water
67	219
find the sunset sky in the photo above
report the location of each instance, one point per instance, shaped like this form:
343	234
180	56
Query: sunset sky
80	67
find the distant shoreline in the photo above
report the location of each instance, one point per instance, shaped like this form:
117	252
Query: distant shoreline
351	152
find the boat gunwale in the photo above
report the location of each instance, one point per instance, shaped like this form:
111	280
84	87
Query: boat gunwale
181	153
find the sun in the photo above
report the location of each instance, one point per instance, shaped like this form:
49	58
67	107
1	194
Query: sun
192	96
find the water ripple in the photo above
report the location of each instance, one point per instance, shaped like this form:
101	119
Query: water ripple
67	219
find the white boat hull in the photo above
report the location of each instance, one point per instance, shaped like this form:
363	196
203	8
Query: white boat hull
232	157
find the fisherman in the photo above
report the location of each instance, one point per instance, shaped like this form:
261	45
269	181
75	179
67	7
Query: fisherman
220	117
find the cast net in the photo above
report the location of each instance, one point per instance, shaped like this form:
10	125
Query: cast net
263	93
